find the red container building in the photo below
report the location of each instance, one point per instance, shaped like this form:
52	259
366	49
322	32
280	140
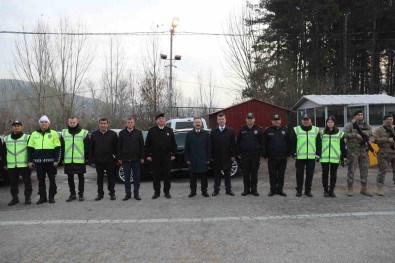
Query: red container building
236	114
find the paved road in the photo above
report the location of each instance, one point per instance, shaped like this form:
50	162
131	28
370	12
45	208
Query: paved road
214	229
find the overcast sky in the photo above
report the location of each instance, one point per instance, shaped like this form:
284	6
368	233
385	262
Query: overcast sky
199	53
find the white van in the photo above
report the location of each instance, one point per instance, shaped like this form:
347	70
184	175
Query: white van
184	124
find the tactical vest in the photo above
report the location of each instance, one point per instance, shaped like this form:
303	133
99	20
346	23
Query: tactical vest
16	151
74	146
331	147
305	147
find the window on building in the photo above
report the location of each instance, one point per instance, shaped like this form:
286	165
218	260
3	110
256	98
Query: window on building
389	109
320	117
376	114
338	113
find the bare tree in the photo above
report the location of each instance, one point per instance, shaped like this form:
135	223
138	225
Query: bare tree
113	80
32	63
206	92
72	58
152	84
239	52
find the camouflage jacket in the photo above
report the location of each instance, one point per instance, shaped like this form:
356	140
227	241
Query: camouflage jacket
350	133
381	137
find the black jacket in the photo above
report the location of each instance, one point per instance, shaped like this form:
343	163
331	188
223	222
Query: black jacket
130	145
197	150
223	147
318	142
277	143
250	141
160	142
103	147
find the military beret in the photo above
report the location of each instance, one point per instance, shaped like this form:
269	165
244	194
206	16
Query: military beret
159	115
358	112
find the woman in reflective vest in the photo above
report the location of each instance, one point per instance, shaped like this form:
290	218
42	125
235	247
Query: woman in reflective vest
333	152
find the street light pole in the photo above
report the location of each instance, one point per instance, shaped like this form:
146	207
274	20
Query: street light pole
174	24
171	74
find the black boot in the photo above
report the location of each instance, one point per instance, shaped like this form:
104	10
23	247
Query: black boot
254	191
14	201
246	191
71	198
28	201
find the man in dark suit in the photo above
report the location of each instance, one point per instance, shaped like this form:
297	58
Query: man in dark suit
160	149
223	147
131	156
103	150
197	156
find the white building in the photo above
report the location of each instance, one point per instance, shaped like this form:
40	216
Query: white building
320	107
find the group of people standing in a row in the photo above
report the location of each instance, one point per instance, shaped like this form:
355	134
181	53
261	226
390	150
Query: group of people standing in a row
44	149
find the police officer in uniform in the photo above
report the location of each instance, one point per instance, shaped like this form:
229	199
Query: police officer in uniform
223	148
307	150
15	161
160	149
44	152
277	149
75	145
386	154
357	152
250	144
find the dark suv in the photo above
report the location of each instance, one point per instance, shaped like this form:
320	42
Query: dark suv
178	165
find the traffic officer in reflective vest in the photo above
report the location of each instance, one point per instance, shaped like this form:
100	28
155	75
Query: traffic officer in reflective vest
44	152
332	153
75	144
307	150
15	161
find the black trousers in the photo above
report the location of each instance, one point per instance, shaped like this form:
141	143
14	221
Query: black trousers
300	165
203	182
109	167
70	179
161	166
250	166
13	175
326	168
43	170
217	179
276	173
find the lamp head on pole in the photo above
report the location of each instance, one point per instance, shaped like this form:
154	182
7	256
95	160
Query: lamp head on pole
175	22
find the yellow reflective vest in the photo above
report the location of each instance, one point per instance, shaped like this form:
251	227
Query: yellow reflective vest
305	146
331	151
16	151
74	151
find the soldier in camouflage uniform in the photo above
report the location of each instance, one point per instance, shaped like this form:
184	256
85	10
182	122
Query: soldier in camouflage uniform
386	152
357	152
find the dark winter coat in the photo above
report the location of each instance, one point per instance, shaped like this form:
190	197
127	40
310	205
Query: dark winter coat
277	143
160	142
103	147
197	150
223	147
130	145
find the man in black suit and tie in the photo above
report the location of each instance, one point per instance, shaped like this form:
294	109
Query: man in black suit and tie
223	153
